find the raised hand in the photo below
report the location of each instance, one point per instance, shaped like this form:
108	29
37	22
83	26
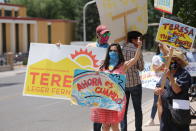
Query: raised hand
139	42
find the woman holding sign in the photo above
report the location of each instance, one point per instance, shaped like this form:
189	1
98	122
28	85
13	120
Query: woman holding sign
114	63
174	96
158	65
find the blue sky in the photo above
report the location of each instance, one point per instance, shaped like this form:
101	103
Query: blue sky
1	0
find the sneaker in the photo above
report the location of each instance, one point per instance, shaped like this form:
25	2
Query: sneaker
150	123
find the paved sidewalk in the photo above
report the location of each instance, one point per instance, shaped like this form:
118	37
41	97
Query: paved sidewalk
146	108
17	70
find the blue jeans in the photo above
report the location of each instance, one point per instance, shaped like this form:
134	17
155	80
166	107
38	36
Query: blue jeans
154	107
136	96
97	126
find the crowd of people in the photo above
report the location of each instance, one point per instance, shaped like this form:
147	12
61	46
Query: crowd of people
128	60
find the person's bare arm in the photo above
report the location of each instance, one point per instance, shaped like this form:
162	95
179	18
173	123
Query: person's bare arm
132	61
164	49
91	45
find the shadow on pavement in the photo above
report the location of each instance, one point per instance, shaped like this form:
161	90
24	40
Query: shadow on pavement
8	84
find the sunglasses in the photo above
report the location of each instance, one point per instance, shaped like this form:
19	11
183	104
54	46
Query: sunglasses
106	34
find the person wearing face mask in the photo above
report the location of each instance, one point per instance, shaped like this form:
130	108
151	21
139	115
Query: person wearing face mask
103	35
114	63
175	92
133	85
158	65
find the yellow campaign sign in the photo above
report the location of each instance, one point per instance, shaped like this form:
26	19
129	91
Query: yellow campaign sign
175	34
50	71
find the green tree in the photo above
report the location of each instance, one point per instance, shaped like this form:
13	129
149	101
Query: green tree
92	20
186	11
41	8
183	10
6	1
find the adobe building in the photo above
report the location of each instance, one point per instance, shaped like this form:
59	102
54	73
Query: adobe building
17	30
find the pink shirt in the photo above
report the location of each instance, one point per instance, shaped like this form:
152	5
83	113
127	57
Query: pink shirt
118	70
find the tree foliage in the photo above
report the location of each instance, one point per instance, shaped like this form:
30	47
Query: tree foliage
183	10
186	10
92	20
50	9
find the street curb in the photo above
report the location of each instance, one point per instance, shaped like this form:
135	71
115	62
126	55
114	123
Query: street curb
16	71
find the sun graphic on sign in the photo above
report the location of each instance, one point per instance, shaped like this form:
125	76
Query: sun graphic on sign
85	58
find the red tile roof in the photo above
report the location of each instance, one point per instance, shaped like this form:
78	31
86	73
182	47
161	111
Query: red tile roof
11	5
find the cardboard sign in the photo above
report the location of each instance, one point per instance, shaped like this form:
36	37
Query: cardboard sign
98	89
121	16
149	78
191	68
51	68
176	34
164	5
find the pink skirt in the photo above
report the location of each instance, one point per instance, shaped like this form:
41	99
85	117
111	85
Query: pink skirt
100	115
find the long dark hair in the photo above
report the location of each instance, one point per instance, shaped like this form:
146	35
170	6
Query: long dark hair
105	64
158	50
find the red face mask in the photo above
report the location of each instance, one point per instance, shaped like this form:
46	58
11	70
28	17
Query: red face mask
104	38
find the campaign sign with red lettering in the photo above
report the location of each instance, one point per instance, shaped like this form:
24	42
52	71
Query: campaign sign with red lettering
51	68
98	89
175	34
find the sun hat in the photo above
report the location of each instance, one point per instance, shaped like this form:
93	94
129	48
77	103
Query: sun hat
182	60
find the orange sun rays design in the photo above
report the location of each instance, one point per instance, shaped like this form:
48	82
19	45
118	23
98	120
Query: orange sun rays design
85	52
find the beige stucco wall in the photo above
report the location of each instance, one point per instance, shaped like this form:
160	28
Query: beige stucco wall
20	27
21	37
69	30
42	31
2	12
8	38
58	32
22	12
62	32
13	13
32	33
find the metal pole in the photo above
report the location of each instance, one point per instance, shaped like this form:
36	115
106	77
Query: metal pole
84	17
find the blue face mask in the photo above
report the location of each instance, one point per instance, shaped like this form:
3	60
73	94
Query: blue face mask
173	66
114	59
162	59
